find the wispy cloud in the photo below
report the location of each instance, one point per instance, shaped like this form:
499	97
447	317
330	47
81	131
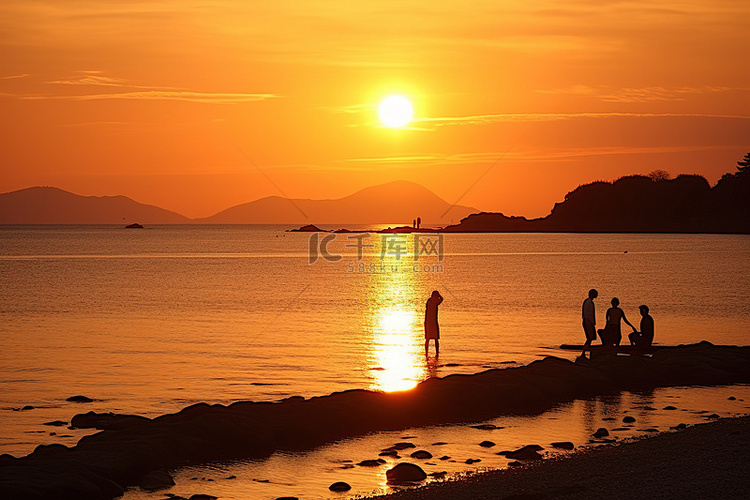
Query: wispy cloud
159	95
95	78
556	154
13	77
640	94
548	117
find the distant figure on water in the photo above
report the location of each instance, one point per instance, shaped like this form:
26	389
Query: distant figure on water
588	314
419	221
645	337
414	223
431	327
611	334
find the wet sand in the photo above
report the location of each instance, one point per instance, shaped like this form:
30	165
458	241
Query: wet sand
131	448
705	461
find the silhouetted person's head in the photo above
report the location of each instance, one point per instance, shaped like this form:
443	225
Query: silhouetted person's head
435	294
615	302
593	293
643	309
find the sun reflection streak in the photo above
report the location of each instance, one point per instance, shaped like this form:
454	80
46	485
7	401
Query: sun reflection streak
395	350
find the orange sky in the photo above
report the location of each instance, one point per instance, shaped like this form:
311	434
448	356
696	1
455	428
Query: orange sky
196	106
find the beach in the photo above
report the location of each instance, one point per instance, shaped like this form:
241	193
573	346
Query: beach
704	461
130	449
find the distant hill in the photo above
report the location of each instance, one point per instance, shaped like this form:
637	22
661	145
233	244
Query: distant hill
636	203
395	202
49	205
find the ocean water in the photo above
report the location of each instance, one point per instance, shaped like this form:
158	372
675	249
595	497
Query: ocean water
149	321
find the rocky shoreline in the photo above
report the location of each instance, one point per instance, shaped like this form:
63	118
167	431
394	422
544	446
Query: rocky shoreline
131	449
707	461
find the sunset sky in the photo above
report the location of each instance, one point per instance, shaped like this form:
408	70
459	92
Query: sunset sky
196	106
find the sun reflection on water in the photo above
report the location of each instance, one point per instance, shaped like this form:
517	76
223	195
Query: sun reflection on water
396	349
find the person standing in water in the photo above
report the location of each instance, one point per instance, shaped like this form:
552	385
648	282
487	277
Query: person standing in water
431	327
588	314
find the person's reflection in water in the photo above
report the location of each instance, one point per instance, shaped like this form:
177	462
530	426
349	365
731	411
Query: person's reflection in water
431	327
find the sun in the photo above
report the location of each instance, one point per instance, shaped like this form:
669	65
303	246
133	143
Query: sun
395	111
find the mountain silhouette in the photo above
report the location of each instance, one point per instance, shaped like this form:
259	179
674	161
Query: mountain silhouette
397	202
638	204
49	205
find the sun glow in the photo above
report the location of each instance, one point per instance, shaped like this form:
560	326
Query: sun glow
395	111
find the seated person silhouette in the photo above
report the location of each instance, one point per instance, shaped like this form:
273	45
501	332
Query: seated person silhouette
611	334
645	337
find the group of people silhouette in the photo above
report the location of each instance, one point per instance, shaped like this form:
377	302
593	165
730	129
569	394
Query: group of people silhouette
416	223
611	334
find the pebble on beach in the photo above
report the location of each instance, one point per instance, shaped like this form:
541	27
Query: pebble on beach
340	486
405	473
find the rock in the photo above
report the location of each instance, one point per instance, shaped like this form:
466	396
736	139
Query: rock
388	453
402	446
231	477
486	444
421	454
371	463
670	407
346	466
515	463
28	407
628	419
564	445
310	228
408	437
679	426
439	443
713	416
287	498
601	432
472	460
106	421
608	419
444	457
486	427
56	423
529	452
156	480
405	473
202	496
649	408
340	486
442	473
730	398
618	429
79	399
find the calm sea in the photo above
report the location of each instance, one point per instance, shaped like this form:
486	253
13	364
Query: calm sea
149	321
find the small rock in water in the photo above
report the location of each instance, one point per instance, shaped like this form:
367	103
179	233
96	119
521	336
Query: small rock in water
79	399
628	419
601	432
713	416
608	419
156	480
408	437
231	477
444	457
731	398
486	444
28	407
439	443
651	430
371	463
529	452
442	473
680	426
56	423
515	463
346	466
486	427
421	454
564	445
473	460
670	407
403	446
287	498
388	453
405	473
202	496
649	408
340	486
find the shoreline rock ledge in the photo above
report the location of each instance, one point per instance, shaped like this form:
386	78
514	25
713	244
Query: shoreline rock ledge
129	448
